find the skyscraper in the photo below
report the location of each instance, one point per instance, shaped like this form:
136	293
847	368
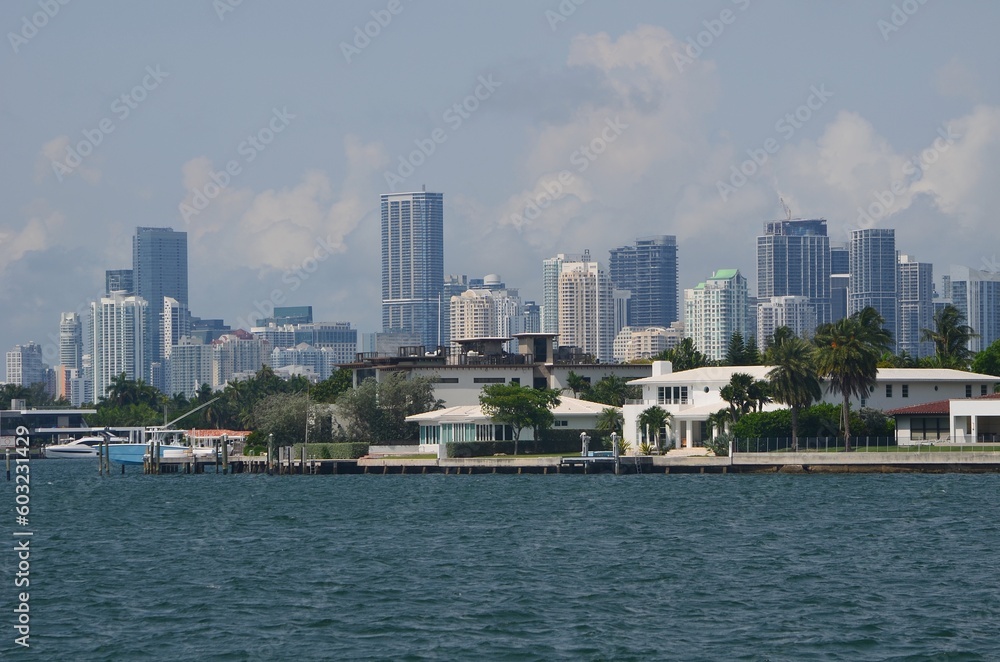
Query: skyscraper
916	306
119	280
840	281
176	323
797	313
977	295
413	264
649	270
117	327
793	259
25	366
714	311
70	341
586	309
159	269
873	275
551	268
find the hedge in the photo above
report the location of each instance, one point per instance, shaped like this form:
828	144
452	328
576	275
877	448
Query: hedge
342	451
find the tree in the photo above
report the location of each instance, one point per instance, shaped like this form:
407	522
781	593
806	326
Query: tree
283	415
610	419
717	421
328	390
987	362
654	419
612	390
740	352
793	378
951	336
519	407
781	334
577	384
377	411
684	356
847	354
744	394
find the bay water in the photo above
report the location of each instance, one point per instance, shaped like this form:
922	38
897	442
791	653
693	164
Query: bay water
507	567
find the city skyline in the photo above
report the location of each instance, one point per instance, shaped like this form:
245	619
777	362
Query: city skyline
584	132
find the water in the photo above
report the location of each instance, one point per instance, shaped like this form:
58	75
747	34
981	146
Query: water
503	567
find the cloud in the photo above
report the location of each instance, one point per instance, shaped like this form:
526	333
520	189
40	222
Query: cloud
52	162
955	79
37	234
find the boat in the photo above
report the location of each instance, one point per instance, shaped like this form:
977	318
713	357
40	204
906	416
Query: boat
78	448
134	453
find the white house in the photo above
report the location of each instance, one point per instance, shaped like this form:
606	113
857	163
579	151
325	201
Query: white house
469	423
957	420
691	396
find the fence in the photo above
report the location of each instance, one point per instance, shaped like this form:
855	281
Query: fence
858	444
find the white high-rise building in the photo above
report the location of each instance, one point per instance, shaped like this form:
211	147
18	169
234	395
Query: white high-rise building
637	343
798	313
551	268
25	366
176	324
117	325
586	309
916	306
473	315
70	341
715	310
320	361
189	366
237	353
977	294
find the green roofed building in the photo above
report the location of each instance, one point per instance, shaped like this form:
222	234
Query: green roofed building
715	310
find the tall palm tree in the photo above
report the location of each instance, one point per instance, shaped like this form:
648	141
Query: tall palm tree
737	394
610	419
654	419
951	336
577	384
848	357
793	378
873	330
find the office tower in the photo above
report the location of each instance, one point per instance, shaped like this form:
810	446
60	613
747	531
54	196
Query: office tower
977	295
237	355
586	309
176	323
473	315
649	270
714	311
453	286
840	280
70	341
119	280
797	313
551	268
207	330
413	264
290	315
189	366
25	366
160	269
916	306
873	275
794	259
117	325
623	307
528	319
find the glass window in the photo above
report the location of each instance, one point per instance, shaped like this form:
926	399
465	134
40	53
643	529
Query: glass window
888	390
982	390
906	390
968	390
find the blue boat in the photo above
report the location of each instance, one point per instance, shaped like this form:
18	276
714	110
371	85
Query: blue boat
135	453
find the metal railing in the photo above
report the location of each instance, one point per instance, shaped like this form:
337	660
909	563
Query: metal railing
861	445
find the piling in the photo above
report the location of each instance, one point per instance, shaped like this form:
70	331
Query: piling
225	455
215	456
100	459
7	454
302	460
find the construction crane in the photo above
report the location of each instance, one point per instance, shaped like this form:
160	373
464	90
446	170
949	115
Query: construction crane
788	212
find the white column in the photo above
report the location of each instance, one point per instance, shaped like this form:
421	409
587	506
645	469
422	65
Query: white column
689	425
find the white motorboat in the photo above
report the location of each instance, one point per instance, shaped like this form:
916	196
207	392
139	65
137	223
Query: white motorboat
82	447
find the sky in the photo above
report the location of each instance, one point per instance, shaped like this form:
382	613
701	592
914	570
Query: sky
267	131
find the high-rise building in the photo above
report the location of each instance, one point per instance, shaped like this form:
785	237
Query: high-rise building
318	362
649	270
793	259
873	275
586	309
237	354
119	280
551	268
714	311
25	366
840	281
413	264
290	315
176	323
70	341
473	315
633	344
977	295
188	367
916	306
160	269
797	313
117	326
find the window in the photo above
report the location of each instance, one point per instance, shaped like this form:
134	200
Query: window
888	390
515	380
982	390
968	390
906	390
446	380
488	380
927	428
672	395
561	424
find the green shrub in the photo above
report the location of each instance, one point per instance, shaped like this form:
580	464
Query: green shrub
342	451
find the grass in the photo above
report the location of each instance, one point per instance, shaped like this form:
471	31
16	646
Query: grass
923	448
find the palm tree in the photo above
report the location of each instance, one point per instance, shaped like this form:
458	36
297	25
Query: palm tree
793	378
718	420
654	418
577	384
684	356
951	336
737	394
846	355
610	419
873	330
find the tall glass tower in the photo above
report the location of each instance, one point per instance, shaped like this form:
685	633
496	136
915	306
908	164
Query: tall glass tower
649	271
413	264
159	269
873	275
793	259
